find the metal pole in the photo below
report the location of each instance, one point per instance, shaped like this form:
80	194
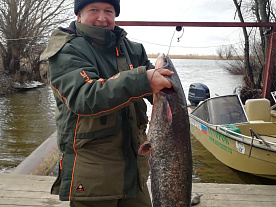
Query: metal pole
196	24
269	64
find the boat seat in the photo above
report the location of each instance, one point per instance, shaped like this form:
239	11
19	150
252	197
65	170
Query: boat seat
258	109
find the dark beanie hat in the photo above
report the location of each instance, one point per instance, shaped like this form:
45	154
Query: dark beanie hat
79	4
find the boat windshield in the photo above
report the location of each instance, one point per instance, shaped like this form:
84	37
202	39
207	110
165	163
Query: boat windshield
221	110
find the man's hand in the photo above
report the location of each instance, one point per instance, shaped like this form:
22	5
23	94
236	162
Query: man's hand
157	80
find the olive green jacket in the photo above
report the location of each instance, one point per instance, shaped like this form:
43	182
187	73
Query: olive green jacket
99	80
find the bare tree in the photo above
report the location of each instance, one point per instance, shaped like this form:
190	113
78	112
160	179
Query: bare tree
255	47
249	78
24	28
220	52
225	51
228	50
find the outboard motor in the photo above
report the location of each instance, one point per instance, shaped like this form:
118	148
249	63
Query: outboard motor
198	92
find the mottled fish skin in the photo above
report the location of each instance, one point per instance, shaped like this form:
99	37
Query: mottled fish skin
169	138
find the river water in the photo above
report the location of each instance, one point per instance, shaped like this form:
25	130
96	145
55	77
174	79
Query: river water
27	119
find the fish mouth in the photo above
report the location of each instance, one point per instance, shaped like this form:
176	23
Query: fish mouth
168	90
161	61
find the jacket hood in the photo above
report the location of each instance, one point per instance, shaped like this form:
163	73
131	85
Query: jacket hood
101	37
58	39
71	29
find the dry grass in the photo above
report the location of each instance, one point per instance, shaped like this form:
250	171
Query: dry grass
207	57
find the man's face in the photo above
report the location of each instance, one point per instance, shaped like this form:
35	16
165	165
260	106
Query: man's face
98	14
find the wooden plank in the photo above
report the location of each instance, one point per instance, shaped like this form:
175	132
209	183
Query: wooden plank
235	195
28	190
227	203
236	189
16	182
31	202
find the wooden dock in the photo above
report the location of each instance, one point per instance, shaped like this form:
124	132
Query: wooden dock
30	190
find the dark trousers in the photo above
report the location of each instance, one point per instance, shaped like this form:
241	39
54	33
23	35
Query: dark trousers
142	200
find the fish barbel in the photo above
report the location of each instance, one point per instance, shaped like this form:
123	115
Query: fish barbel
169	144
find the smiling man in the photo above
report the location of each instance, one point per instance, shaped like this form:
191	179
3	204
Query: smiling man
99	79
98	14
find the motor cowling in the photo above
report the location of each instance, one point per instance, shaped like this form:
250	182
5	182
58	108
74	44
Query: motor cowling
198	92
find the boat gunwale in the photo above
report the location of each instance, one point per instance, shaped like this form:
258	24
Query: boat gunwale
241	136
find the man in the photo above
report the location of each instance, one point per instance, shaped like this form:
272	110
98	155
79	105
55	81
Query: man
99	79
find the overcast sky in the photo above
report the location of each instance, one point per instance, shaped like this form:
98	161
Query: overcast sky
200	41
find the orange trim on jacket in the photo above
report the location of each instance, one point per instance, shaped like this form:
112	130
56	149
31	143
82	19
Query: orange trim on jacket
116	107
76	155
85	76
117	52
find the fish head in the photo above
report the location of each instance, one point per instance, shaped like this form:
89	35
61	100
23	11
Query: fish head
163	61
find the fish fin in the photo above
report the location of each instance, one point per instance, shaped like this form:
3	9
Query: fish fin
144	148
167	113
195	199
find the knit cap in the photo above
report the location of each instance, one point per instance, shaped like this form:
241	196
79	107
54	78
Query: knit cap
79	4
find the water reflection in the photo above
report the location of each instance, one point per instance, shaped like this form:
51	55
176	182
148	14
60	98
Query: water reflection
207	169
26	120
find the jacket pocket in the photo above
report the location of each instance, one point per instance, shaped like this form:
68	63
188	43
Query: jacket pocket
90	143
97	127
99	162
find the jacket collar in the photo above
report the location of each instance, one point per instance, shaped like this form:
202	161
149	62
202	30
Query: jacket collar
101	37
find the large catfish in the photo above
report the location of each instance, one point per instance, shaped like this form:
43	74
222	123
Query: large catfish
169	143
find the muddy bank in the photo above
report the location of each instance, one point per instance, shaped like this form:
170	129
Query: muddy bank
15	83
6	83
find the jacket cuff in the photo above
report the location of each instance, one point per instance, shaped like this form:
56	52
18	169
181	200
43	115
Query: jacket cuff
144	82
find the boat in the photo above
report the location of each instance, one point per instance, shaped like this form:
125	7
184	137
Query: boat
242	137
27	85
